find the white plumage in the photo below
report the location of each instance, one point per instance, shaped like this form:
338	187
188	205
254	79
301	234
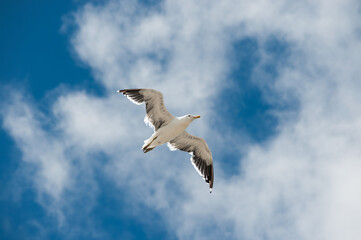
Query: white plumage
171	130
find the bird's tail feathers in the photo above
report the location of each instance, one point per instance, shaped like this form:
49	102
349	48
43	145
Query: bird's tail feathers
147	145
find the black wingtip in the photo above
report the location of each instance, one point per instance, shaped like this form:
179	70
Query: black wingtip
212	179
122	91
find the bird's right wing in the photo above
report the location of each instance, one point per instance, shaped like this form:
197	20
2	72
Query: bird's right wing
156	113
201	155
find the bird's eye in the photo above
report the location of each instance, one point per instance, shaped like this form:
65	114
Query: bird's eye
189	115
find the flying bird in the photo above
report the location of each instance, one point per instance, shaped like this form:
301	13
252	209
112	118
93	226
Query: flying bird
171	130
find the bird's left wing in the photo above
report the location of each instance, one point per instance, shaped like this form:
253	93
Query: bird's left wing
201	155
156	113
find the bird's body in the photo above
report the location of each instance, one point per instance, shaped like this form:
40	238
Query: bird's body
171	130
167	133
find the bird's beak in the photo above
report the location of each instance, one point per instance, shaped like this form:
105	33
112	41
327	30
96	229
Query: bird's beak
197	117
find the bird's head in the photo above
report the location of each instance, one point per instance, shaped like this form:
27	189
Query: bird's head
191	117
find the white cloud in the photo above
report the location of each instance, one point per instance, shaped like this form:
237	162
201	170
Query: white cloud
38	148
301	184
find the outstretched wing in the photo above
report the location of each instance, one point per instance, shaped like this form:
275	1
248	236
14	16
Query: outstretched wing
156	113
201	155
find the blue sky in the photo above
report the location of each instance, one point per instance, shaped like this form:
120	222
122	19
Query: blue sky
277	86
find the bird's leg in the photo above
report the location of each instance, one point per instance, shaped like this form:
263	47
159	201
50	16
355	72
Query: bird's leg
145	150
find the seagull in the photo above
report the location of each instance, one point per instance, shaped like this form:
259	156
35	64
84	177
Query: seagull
171	130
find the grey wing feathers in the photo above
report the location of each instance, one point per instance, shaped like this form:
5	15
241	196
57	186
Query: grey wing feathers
134	95
201	155
156	113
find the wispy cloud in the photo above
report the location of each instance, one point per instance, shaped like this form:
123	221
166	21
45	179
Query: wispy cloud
301	184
